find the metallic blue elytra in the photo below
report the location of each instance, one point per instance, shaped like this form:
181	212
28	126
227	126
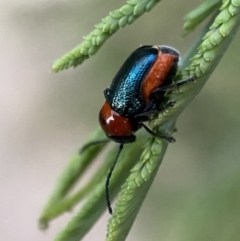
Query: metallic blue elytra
124	92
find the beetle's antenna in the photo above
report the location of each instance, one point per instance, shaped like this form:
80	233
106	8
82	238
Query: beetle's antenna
164	136
108	179
93	143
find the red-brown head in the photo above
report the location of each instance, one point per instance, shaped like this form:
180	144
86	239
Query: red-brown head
118	128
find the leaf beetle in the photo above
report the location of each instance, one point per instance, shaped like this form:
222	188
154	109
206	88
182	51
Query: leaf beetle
137	92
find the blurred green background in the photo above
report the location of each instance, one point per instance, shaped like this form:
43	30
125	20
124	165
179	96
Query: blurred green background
45	117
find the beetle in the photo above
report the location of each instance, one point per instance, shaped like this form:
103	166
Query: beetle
137	92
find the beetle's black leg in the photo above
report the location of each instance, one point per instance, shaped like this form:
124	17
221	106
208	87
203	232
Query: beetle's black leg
175	85
144	116
169	104
188	80
164	136
93	143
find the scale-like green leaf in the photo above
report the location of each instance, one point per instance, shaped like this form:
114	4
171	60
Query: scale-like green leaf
116	19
